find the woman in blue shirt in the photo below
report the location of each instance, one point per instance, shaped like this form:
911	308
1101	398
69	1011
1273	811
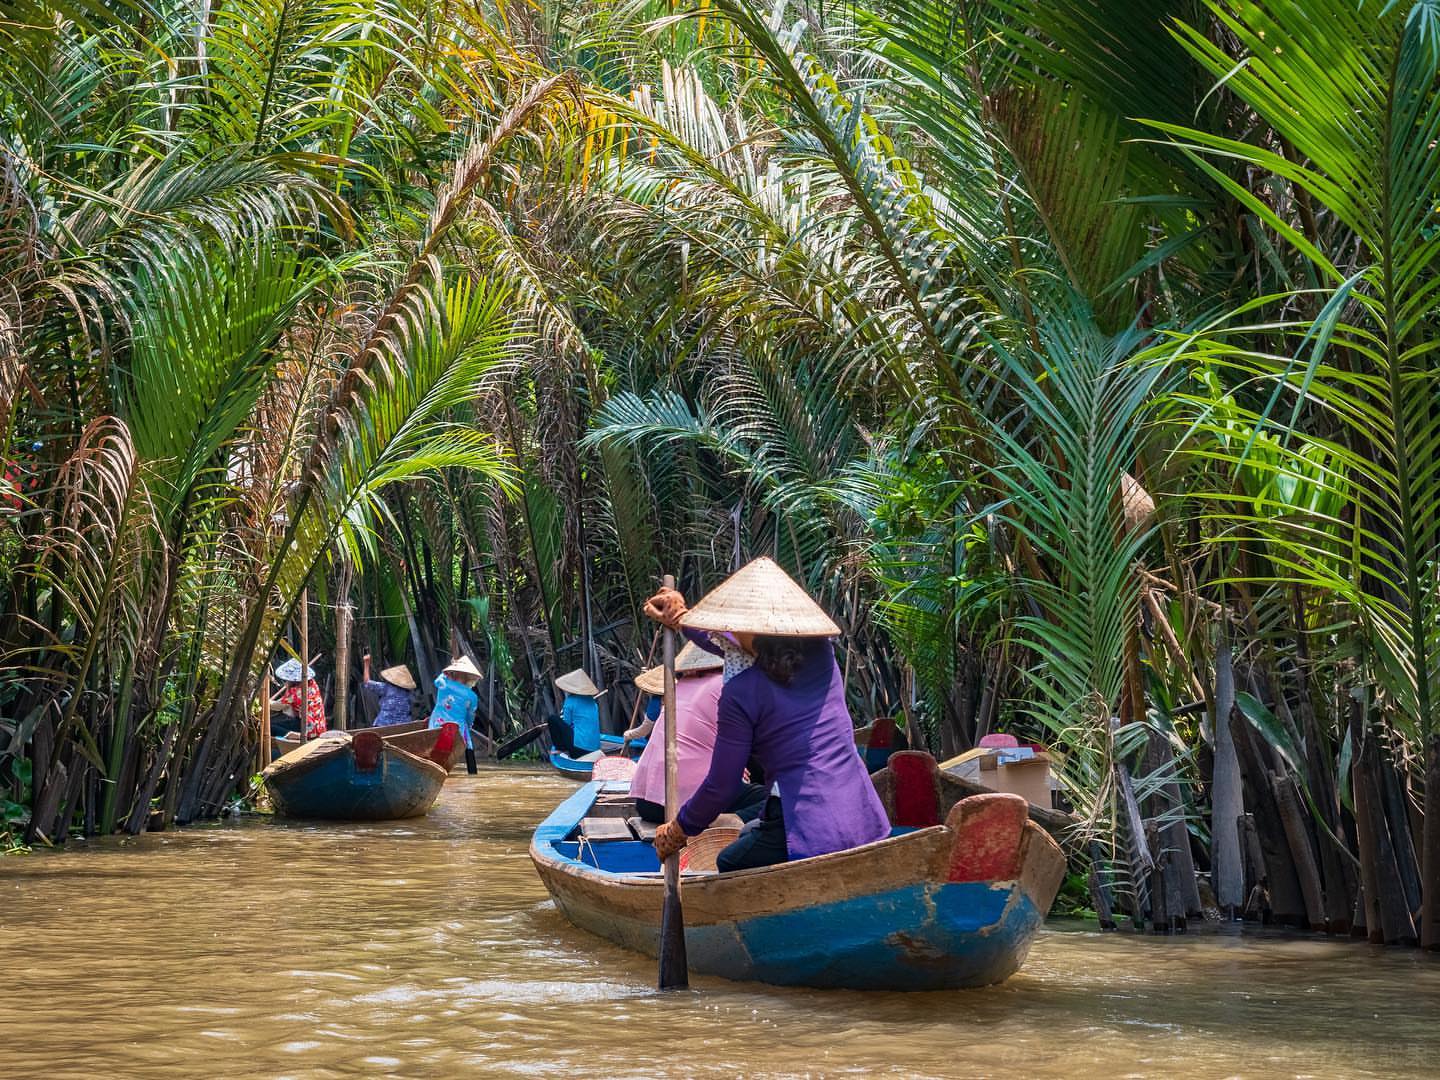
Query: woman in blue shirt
576	731
456	702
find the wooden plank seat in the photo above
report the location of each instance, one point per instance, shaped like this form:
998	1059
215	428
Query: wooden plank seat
643	830
604	828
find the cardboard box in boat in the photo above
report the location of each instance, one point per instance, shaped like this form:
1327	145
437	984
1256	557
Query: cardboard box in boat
1015	772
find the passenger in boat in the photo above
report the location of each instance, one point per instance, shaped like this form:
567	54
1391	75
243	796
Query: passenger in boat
289	701
576	731
395	690
697	698
457	702
784	701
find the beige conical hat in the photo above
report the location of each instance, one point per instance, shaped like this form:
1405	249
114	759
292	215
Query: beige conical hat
692	659
462	666
400	676
760	598
577	682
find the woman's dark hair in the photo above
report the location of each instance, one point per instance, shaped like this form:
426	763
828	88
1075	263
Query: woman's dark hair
781	657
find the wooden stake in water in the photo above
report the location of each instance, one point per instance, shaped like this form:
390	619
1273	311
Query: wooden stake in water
674	967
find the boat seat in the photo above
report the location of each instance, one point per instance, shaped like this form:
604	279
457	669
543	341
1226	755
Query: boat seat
604	828
643	830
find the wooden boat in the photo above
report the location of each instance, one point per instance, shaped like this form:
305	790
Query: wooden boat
953	898
417	738
356	777
613	744
576	768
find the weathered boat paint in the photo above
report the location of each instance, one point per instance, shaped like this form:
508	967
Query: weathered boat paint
951	905
330	783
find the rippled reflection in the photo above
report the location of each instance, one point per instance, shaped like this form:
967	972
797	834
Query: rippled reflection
428	949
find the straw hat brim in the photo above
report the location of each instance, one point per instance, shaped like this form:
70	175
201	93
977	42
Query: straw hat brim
691	661
760	598
462	666
400	676
652	680
577	682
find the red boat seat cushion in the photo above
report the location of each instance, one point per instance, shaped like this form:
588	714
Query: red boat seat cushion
917	789
367	746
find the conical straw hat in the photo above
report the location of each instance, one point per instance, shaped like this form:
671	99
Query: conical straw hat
577	682
462	666
760	598
289	671
692	658
400	676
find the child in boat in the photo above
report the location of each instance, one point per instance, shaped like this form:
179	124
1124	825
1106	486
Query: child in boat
697	697
395	690
576	731
289	701
784	701
457	702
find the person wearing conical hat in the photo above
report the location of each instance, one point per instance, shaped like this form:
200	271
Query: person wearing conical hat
697	699
395	690
576	731
783	700
456	702
289	701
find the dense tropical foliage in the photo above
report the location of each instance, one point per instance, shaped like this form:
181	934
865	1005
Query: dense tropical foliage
1079	356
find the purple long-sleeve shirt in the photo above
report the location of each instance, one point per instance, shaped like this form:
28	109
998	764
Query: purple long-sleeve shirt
802	736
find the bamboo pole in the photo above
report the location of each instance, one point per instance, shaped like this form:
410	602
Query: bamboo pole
266	746
304	660
344	621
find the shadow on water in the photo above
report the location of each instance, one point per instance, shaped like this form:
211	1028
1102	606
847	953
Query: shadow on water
279	949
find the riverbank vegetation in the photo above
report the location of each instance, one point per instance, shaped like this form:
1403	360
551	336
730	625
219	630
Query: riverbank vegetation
1079	357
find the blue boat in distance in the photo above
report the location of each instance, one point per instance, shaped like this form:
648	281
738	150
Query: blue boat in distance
954	897
576	768
357	777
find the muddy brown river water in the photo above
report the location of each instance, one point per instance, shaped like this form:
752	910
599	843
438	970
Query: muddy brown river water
429	949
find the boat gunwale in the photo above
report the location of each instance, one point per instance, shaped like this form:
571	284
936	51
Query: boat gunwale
304	768
912	858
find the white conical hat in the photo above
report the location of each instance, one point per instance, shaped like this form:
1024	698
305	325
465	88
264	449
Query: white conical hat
692	658
577	682
462	666
760	598
289	671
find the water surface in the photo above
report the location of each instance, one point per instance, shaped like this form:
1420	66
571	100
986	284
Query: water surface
429	949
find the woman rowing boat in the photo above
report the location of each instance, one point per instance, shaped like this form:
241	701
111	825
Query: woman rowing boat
783	701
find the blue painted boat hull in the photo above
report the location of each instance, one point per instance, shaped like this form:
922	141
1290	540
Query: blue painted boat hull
328	785
887	916
574	768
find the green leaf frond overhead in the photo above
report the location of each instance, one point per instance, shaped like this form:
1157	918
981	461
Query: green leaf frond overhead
1365	372
448	343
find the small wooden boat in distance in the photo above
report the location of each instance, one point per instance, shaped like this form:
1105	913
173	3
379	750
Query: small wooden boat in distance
576	768
356	777
417	738
953	898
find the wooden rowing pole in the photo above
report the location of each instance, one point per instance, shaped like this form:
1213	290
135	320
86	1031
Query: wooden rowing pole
674	966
